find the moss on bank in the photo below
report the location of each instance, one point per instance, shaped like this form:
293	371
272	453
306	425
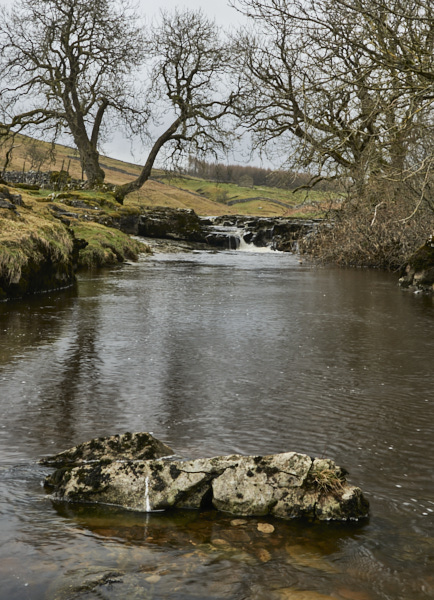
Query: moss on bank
43	243
36	253
105	246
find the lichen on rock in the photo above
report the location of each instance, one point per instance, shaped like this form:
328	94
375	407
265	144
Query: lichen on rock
127	446
120	470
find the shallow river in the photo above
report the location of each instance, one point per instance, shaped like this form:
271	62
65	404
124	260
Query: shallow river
218	353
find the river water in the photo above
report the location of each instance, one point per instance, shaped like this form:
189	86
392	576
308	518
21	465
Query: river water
217	353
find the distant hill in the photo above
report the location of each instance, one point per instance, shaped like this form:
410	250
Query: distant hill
205	197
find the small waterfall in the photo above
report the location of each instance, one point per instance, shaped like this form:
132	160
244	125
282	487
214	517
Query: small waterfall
147	501
231	237
250	247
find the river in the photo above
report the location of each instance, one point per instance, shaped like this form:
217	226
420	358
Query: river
217	353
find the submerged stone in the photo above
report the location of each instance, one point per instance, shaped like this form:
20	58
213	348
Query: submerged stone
283	485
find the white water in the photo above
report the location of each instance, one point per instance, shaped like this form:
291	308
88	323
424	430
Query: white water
245	247
148	503
235	237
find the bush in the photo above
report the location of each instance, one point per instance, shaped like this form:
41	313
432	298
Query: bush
382	235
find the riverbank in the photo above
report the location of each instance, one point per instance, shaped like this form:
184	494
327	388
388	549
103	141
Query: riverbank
45	237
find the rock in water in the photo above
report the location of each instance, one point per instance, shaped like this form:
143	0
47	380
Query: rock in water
282	485
128	446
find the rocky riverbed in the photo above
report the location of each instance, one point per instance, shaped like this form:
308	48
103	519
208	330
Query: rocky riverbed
225	232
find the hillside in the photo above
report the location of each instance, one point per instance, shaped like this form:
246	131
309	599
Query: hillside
204	197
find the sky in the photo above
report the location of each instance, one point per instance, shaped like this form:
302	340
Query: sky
118	146
220	11
217	9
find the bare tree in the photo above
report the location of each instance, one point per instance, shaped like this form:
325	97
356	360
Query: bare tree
37	155
66	65
345	89
310	86
188	92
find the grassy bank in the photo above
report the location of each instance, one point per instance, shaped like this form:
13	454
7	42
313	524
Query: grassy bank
53	233
203	196
105	246
254	200
29	243
44	240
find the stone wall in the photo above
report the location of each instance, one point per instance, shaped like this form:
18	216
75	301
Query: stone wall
40	178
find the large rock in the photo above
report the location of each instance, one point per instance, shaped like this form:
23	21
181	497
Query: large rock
127	446
283	485
171	223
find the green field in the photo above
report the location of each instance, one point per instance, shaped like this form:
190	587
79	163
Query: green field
203	196
268	201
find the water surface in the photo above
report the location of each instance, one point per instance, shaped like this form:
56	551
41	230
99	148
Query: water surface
218	353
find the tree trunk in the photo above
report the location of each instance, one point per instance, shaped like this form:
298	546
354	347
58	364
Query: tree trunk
127	188
89	155
89	158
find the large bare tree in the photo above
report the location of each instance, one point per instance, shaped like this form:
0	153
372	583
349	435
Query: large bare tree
311	85
189	94
66	65
345	88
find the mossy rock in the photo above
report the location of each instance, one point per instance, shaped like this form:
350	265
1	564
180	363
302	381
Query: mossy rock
423	259
419	272
27	186
60	177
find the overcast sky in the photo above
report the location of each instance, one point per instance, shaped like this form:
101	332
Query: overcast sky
224	15
219	10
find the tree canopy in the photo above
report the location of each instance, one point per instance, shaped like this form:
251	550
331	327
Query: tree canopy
67	65
345	89
188	66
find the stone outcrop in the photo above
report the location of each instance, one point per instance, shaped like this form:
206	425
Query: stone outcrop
278	233
171	223
226	232
126	446
419	273
131	471
9	200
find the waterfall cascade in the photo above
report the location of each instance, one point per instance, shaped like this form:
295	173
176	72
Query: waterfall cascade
235	237
230	232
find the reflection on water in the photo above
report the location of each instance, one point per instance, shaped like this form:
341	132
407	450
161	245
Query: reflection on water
219	353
